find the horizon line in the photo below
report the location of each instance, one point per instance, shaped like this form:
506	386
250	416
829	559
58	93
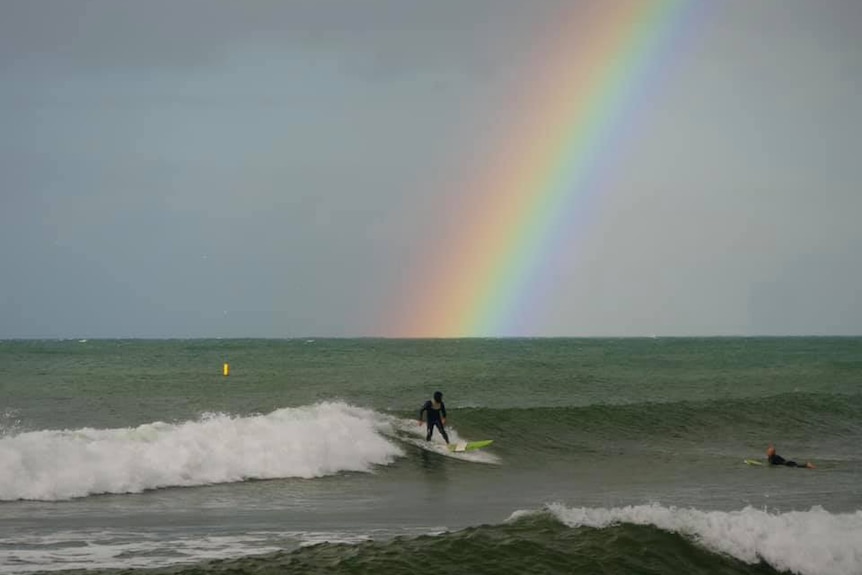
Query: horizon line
84	339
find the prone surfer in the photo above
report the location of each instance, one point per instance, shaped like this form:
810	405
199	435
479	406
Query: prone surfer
436	410
775	459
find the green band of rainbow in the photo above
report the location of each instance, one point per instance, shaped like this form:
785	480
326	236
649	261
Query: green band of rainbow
485	279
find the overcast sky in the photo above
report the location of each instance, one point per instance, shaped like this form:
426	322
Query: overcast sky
214	168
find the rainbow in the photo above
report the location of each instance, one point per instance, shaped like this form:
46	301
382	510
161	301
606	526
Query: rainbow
489	277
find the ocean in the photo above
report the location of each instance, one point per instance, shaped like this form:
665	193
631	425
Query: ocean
610	456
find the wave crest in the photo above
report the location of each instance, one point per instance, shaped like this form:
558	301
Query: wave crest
306	442
813	542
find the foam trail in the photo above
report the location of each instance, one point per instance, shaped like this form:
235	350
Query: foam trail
813	542
132	550
411	433
306	442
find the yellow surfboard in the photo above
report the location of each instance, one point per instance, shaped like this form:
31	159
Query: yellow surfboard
462	446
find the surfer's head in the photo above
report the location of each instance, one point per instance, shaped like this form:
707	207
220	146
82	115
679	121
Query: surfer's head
770	451
438	396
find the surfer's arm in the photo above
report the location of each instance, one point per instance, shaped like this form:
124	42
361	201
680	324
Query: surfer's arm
442	413
421	411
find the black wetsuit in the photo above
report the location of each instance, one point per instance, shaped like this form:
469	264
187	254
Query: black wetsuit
778	460
434	419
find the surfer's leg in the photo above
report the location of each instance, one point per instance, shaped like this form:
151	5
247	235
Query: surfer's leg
430	431
442	431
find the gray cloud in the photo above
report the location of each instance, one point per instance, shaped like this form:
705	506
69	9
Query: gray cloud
384	35
216	168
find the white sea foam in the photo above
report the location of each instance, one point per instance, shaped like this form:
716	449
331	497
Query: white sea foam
813	542
140	550
306	442
407	430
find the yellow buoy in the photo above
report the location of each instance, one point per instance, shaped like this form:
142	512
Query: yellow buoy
226	370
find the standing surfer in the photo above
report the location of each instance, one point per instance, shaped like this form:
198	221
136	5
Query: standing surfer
436	416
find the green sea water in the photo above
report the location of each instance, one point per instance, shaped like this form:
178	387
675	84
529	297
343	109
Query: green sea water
124	382
308	457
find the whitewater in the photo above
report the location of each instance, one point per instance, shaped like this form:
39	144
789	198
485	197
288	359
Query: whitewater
305	442
813	542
